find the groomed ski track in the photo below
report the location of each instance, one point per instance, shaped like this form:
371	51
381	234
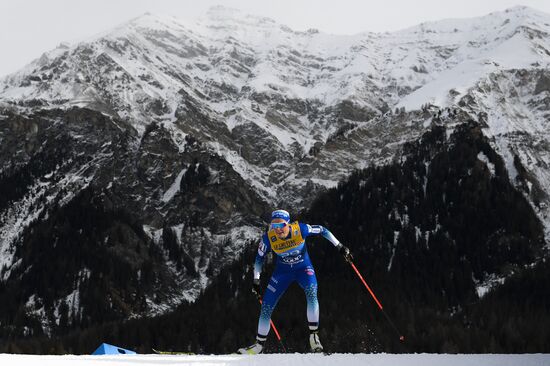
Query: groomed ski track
284	360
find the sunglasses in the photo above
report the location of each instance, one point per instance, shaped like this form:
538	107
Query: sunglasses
278	225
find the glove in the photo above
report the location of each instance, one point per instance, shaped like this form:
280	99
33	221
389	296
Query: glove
256	288
345	252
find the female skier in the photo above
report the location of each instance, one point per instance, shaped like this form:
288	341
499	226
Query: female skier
287	241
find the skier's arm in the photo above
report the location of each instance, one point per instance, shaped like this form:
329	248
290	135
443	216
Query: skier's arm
308	230
263	249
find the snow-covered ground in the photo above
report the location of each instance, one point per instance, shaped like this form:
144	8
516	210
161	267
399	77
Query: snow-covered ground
287	359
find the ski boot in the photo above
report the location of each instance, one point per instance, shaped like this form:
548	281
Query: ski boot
254	349
314	342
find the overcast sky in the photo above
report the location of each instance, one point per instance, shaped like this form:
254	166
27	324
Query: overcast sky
30	27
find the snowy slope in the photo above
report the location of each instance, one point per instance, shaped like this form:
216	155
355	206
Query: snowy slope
290	359
514	39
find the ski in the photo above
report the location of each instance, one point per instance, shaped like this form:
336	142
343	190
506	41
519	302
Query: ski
179	353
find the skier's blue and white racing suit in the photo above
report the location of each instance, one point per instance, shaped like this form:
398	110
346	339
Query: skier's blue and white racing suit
292	264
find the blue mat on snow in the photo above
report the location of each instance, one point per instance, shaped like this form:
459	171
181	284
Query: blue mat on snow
108	349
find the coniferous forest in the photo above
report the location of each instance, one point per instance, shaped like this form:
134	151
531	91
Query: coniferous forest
427	233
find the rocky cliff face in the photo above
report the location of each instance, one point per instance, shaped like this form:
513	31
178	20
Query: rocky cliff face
191	131
100	223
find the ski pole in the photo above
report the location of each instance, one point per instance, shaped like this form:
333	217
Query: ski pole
275	330
401	337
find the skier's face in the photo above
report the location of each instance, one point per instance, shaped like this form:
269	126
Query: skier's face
281	232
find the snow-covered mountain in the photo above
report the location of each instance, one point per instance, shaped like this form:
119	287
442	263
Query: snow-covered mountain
274	115
254	79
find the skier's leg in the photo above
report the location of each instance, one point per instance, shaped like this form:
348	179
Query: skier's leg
278	284
308	281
